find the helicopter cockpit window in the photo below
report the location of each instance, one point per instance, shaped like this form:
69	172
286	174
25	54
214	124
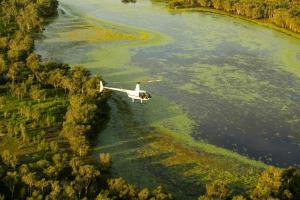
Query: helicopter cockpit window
144	95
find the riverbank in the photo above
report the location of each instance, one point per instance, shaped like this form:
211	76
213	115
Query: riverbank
154	155
135	37
260	22
138	147
49	112
152	144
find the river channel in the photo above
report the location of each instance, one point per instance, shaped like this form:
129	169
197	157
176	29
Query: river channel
229	86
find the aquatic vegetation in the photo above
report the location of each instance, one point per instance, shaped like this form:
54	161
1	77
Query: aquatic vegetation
226	81
47	114
200	164
98	34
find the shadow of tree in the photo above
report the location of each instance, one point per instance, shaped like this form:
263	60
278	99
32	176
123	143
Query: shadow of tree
124	137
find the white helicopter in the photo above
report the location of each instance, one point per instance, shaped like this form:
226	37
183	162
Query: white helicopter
136	94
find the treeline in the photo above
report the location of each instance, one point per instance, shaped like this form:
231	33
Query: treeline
84	105
26	75
42	101
53	101
274	183
283	13
62	176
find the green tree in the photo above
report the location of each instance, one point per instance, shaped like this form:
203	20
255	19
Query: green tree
88	174
79	76
11	179
36	195
3	44
36	93
238	197
70	191
105	161
20	47
144	194
28	19
104	195
159	193
14	71
217	189
9	159
29	179
55	190
290	184
3	66
56	78
33	63
268	184
23	132
79	145
118	187
42	185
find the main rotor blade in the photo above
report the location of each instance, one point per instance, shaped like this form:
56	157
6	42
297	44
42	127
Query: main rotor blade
149	81
113	82
142	81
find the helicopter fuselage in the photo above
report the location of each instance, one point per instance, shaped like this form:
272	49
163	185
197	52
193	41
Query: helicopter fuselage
136	94
139	95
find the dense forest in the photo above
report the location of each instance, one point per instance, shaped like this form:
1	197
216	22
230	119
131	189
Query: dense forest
283	13
49	112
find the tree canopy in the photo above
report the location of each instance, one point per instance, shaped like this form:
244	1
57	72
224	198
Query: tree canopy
283	13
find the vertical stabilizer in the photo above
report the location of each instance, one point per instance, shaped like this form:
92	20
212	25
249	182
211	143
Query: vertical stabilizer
101	86
137	87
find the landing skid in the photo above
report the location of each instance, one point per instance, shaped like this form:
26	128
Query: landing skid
133	100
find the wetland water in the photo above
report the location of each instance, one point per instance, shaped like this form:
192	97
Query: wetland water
226	82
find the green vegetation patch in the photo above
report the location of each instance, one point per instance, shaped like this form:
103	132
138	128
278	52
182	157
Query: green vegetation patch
200	165
226	81
98	34
25	122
